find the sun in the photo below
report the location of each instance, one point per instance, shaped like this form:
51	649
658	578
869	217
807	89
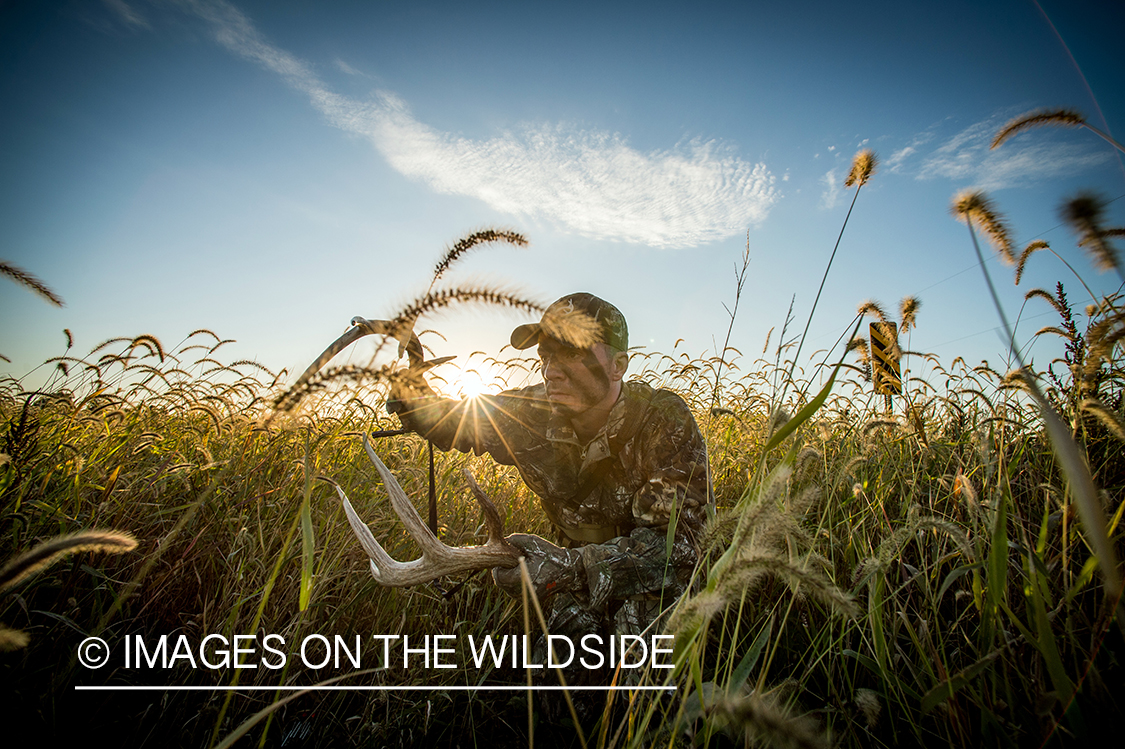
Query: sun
469	383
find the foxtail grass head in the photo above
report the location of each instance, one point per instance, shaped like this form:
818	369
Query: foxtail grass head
21	276
974	208
1085	214
1028	251
47	553
863	166
468	242
1038	118
873	308
908	312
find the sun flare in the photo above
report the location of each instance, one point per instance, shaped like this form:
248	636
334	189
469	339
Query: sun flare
471	383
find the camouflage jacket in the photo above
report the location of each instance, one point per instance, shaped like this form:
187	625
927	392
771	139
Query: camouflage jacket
614	496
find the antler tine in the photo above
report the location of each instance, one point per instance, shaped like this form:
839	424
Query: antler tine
403	507
380	559
492	517
437	559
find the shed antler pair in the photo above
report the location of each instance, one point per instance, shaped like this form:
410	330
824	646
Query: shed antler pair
437	559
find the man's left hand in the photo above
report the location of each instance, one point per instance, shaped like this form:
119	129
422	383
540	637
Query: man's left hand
552	569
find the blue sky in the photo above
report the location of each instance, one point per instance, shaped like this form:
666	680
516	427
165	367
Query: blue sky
270	169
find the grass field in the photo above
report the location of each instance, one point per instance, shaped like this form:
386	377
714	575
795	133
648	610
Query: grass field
928	571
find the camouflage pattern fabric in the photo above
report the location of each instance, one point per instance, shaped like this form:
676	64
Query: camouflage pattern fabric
622	489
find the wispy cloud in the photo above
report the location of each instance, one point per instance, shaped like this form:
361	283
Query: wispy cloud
590	182
127	14
345	68
832	190
965	157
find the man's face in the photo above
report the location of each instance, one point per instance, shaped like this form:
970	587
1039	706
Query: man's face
577	379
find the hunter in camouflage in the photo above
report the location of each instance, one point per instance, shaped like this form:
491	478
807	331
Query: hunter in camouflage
611	461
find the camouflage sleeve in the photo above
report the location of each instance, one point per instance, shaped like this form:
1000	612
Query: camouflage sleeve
674	458
459	425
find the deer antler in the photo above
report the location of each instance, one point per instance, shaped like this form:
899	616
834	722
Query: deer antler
437	559
360	327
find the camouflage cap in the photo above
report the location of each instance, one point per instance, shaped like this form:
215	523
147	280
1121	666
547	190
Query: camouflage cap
579	320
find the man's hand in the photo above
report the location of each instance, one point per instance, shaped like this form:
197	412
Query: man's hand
552	569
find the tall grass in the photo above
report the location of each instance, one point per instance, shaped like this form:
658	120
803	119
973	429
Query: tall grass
898	582
918	576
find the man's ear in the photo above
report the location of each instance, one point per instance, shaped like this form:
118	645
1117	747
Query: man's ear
620	364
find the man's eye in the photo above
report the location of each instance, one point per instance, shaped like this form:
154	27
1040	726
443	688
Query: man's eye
568	356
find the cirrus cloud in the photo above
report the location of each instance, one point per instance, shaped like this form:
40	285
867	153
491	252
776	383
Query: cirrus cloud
590	182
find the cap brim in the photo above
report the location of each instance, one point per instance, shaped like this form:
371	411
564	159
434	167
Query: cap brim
525	336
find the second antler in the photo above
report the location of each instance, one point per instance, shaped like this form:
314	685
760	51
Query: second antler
437	559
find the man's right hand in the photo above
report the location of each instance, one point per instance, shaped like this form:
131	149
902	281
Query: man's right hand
552	569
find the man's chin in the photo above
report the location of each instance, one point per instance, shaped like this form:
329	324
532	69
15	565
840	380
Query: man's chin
562	407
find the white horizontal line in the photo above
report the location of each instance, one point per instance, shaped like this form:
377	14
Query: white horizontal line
333	688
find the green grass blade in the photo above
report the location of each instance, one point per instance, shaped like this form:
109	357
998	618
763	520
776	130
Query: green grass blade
949	687
812	406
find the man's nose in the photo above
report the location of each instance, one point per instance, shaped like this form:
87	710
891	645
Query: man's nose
551	369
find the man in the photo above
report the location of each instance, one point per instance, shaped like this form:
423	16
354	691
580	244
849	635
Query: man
612	462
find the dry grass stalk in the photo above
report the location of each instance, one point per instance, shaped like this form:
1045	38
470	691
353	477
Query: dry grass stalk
874	424
869	704
288	400
151	342
21	276
974	207
52	550
1055	117
1055	330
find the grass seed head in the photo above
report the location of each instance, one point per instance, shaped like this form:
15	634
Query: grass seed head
1085	214
12	639
466	243
908	311
869	704
1049	298
763	721
1038	118
974	207
47	553
863	166
21	276
1112	421
574	328
1028	251
871	307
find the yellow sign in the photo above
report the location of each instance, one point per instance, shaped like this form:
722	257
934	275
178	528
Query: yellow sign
885	355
